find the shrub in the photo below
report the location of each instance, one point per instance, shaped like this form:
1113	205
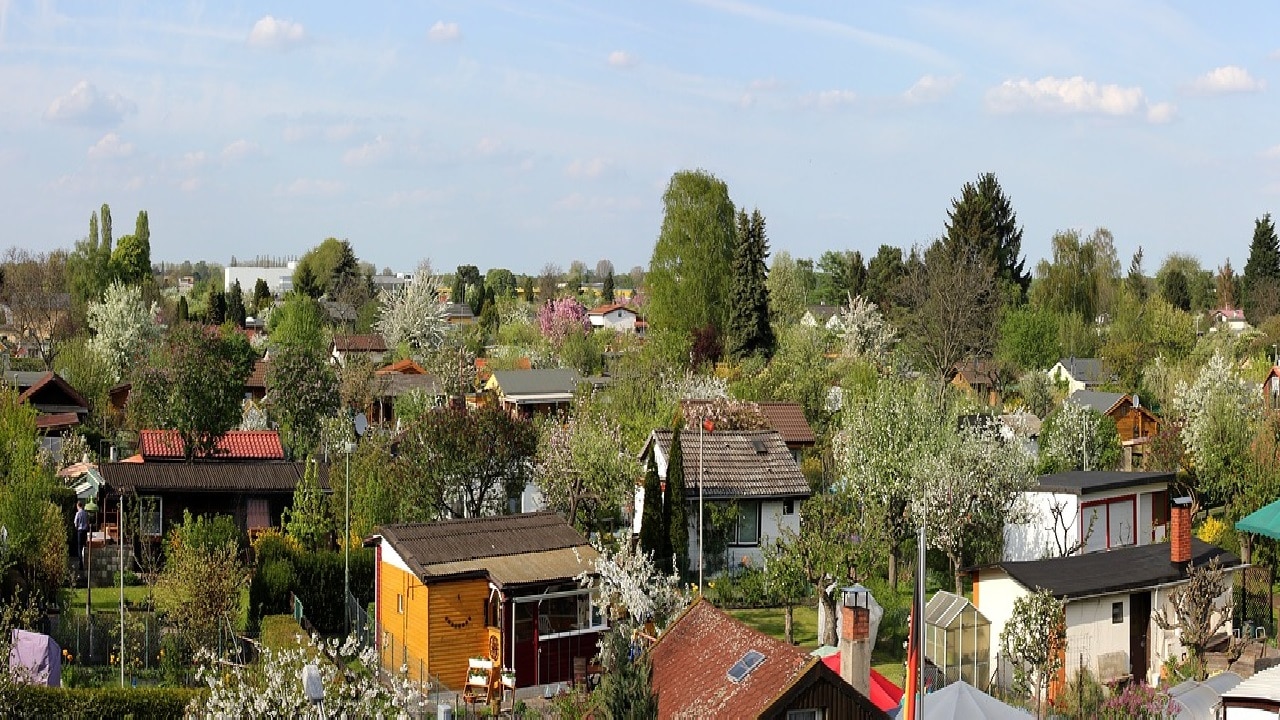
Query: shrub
92	703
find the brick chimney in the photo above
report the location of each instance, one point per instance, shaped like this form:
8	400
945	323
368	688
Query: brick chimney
1180	531
855	645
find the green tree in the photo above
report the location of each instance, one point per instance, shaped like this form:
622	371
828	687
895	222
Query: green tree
691	267
307	520
192	383
982	221
216	307
502	281
1261	279
301	390
199	588
184	311
606	288
1174	290
331	268
748	331
89	262
787	293
654	536
953	309
841	275
306	282
1076	437
299	322
1033	642
1136	281
235	305
884	271
675	509
528	289
1069	282
131	260
1029	338
261	296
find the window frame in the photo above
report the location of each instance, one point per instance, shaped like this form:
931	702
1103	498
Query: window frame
743	505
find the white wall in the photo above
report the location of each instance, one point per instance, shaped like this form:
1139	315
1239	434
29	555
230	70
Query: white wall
1034	540
279	279
996	593
1090	632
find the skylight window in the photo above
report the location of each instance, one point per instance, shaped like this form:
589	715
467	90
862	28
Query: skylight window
744	666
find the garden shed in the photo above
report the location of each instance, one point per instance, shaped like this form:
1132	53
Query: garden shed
958	640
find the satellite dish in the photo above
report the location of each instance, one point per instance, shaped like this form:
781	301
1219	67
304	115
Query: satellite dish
362	424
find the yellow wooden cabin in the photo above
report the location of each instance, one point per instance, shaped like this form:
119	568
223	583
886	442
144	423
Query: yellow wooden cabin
501	588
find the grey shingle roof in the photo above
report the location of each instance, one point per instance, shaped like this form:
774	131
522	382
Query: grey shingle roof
1099	401
537	382
1090	371
736	463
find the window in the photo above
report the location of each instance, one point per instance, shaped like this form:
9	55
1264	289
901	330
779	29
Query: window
815	714
400	604
1109	523
743	667
150	516
788	507
1117	613
747	529
567	614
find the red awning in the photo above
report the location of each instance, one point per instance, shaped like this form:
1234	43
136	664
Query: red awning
884	694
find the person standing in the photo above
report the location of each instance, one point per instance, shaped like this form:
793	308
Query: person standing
81	523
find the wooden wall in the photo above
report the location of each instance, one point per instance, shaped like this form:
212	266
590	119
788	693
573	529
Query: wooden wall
1134	422
408	630
456	628
829	693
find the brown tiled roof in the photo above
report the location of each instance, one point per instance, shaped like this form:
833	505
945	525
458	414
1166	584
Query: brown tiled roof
207	476
974	373
258	378
359	343
610	307
736	463
691	662
395	384
235	445
784	416
404	367
57	420
508	549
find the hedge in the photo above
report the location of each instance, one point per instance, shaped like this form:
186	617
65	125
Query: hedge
316	579
93	703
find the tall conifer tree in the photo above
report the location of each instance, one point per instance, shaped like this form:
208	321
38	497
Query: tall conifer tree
749	331
675	510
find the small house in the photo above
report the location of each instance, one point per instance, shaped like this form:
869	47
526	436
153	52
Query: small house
1081	373
615	316
1076	512
59	407
458	313
502	588
372	347
1136	424
820	316
1110	599
534	392
784	416
707	664
752	470
977	379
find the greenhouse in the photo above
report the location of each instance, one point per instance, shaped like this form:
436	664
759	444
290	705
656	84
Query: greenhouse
958	640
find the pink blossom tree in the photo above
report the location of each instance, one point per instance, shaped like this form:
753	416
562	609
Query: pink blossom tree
562	317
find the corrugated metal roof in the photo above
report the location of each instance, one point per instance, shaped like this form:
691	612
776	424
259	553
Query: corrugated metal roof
207	476
1264	686
736	463
537	382
523	569
475	545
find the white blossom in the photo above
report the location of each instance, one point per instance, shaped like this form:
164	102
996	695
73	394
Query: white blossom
413	314
863	331
123	326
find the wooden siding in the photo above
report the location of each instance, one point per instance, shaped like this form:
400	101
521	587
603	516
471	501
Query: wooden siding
456	628
826	692
409	641
1133	423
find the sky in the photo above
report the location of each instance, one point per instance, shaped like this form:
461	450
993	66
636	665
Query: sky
518	134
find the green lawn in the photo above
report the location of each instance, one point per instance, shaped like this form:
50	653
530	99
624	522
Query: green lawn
105	599
282	632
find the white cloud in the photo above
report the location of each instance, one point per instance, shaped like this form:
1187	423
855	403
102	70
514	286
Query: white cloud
831	99
1073	95
419	196
239	150
368	153
310	187
1226	79
622	58
488	146
110	147
930	88
194	159
270	32
443	32
190	184
86	105
593	168
1161	113
1272	152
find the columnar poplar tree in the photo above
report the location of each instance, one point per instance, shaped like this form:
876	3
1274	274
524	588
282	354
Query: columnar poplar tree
749	331
653	529
676	511
1261	279
982	219
689	272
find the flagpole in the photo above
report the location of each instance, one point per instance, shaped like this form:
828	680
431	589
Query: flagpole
918	627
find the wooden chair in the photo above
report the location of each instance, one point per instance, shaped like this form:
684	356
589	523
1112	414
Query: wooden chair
479	684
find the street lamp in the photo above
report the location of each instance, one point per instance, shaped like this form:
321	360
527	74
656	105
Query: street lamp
707	426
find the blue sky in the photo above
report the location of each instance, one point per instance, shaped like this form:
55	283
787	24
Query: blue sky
519	134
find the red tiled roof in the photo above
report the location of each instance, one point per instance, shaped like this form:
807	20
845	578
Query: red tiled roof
359	343
407	367
785	417
610	307
691	662
258	378
235	445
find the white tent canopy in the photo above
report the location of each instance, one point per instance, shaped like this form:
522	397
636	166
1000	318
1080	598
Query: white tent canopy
962	701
